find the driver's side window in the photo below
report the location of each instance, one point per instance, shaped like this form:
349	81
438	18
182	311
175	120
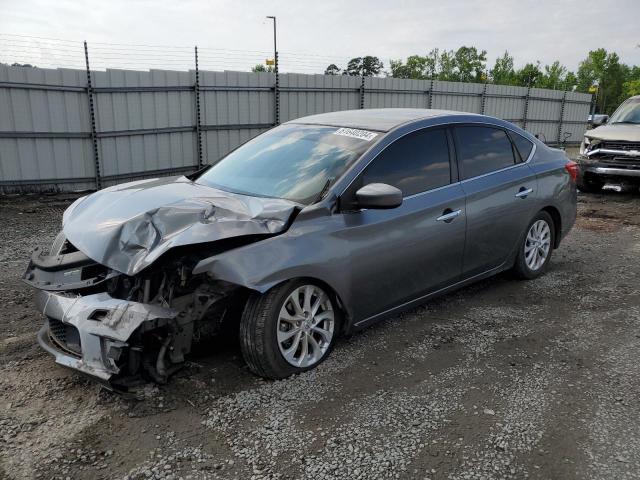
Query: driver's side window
415	163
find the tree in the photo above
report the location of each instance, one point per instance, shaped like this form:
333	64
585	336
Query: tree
332	70
417	66
631	88
570	81
502	72
470	64
261	68
605	70
364	66
447	66
529	75
553	76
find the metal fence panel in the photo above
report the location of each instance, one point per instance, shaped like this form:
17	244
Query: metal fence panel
236	106
147	122
41	153
462	97
302	95
396	92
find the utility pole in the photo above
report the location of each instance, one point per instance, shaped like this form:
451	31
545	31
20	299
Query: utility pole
275	69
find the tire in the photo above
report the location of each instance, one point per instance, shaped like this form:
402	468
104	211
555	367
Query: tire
590	185
271	317
544	232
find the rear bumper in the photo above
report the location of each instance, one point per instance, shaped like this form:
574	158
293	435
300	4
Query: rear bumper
104	325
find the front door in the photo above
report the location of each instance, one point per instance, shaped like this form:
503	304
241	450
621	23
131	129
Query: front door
400	254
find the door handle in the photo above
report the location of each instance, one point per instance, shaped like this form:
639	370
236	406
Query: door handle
523	192
448	215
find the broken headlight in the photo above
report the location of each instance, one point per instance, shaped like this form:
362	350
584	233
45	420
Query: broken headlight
587	145
58	244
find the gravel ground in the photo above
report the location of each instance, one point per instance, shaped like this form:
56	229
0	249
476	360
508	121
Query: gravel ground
504	379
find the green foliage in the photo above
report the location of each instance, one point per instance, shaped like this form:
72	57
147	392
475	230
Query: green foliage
363	66
616	80
470	64
631	88
262	68
466	64
605	70
503	72
529	75
332	70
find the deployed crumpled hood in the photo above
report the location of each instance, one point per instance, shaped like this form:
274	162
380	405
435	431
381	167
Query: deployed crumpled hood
127	227
622	132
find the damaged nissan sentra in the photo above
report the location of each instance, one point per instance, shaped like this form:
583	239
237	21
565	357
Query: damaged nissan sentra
316	228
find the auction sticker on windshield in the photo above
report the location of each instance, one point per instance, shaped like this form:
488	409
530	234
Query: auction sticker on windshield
355	133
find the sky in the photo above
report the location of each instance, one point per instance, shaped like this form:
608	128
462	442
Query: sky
311	34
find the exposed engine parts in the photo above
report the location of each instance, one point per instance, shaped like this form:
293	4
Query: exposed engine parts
121	329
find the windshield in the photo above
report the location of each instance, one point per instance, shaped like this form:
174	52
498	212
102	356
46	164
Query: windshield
628	112
295	162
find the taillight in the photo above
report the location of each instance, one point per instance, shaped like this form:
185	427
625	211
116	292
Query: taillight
573	168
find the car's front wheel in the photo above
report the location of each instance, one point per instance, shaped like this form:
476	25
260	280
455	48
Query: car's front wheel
536	247
289	329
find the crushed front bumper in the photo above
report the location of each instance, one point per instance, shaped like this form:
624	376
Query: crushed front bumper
90	333
613	169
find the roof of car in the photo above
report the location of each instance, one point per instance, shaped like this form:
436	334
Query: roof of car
380	119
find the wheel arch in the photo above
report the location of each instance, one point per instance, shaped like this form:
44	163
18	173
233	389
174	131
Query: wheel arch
554	213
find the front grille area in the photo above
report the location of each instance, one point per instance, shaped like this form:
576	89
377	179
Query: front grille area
65	337
620	145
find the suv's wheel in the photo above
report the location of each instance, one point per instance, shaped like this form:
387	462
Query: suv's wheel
536	248
289	329
590	185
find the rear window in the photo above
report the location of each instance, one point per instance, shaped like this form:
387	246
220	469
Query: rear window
523	146
482	150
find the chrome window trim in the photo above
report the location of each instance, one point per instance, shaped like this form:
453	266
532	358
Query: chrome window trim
445	124
431	190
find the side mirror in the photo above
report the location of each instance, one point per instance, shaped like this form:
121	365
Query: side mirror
599	119
378	196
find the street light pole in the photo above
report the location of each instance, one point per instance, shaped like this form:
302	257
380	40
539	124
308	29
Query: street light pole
275	70
275	44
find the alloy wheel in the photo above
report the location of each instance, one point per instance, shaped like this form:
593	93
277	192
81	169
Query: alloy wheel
305	326
537	245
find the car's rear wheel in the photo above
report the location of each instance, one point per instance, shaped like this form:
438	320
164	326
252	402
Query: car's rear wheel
536	247
289	329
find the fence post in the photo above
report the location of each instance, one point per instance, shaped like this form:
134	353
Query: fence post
526	108
564	101
483	100
92	119
362	91
276	90
196	90
430	94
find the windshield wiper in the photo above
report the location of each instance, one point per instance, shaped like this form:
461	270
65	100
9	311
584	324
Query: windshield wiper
324	190
626	121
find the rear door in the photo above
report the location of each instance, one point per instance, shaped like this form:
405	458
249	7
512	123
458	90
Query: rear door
500	190
402	253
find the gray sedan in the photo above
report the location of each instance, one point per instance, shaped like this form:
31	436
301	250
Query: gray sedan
318	227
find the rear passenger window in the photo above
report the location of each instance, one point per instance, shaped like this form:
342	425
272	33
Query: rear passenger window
482	150
414	163
523	146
